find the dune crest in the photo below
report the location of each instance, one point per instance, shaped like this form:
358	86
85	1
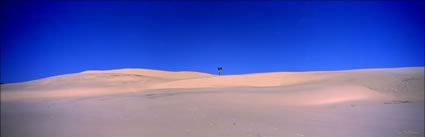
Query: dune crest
155	73
337	86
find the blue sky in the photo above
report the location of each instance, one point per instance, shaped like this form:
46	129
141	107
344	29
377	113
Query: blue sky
43	39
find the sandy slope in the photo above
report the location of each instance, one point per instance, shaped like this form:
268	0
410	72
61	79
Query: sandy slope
150	103
91	83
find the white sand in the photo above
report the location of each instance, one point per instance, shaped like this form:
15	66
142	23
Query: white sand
151	103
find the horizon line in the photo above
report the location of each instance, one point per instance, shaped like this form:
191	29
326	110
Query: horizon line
222	74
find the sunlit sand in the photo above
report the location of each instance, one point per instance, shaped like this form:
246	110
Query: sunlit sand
152	103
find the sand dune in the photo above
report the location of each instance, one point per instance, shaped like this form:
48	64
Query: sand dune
93	83
142	102
156	73
384	81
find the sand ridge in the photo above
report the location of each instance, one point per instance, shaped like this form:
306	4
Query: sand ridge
93	83
150	103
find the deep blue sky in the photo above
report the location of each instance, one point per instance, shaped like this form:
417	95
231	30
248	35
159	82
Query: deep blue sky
42	39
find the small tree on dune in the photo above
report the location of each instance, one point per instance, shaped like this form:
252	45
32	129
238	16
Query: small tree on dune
218	70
